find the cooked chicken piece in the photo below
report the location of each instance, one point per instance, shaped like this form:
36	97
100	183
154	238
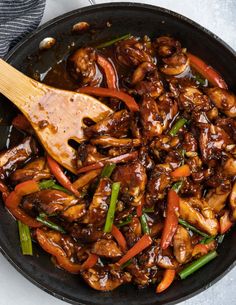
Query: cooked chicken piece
229	126
86	234
189	144
133	52
230	167
88	154
160	179
232	201
140	276
151	85
165	258
55	202
216	198
16	156
213	141
145	158
133	179
106	248
107	141
175	64
174	57
98	207
166	46
141	71
224	100
35	170
105	278
82	67
204	220
156	117
134	232
192	99
182	245
115	125
164	143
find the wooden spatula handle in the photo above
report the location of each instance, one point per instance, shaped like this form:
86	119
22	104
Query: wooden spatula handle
16	86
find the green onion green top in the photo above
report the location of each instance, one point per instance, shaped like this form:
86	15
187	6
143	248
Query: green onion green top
192	228
50	224
194	266
144	224
111	42
176	127
107	170
25	238
112	207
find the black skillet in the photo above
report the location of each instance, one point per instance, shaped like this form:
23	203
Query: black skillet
138	19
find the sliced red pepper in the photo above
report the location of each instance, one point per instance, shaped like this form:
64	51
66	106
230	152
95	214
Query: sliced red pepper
119	237
19	214
22	189
171	220
182	171
90	261
144	242
60	176
207	71
139	208
4	190
57	252
225	223
119	159
200	249
168	278
106	92
110	72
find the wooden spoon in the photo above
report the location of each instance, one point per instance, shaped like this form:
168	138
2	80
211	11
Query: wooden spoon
56	115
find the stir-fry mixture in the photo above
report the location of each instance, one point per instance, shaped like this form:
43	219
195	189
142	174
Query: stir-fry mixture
155	190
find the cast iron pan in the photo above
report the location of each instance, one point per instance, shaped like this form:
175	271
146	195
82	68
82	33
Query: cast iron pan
138	19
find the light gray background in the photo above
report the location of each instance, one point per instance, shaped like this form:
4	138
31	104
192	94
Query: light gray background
219	16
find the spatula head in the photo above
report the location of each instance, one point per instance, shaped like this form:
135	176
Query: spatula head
58	116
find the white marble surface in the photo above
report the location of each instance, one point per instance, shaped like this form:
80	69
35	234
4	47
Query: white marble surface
219	16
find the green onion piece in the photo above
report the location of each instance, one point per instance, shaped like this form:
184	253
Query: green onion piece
112	207
124	222
194	266
50	184
199	78
111	42
177	186
220	238
187	225
144	224
149	210
107	170
176	127
50	224
207	240
25	238
126	264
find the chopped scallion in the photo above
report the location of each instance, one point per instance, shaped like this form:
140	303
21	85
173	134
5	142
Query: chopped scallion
112	207
25	239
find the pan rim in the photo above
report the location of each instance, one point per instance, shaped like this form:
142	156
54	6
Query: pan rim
89	9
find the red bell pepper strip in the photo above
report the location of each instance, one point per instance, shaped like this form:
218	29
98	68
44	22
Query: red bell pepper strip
119	159
60	176
139	208
19	214
182	171
207	71
168	278
110	72
200	249
4	190
119	237
144	242
57	252
90	261
171	220
22	189
106	92
225	223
